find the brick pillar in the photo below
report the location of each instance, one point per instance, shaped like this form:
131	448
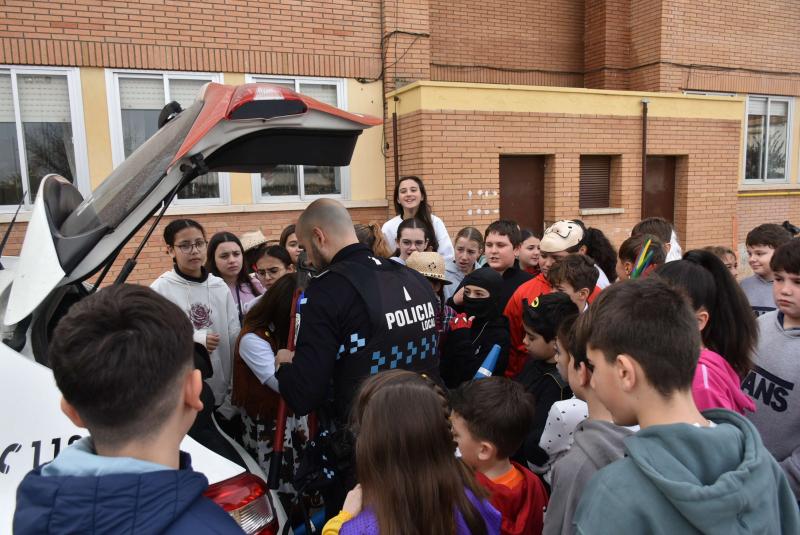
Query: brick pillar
406	42
406	59
607	44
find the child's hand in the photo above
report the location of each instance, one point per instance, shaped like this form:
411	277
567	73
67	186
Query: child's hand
284	356
458	297
461	322
212	341
352	504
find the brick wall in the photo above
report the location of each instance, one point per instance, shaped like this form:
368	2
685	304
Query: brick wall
406	42
533	43
607	43
313	37
753	211
458	152
738	34
154	260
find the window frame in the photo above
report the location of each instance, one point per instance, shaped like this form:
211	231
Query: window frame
75	96
115	121
344	172
789	122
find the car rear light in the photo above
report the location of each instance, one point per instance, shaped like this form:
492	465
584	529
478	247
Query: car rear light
246	498
264	101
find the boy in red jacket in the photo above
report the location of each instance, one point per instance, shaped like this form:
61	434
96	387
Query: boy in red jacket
490	420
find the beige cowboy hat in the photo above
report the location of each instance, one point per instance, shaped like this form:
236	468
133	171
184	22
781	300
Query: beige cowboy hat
251	240
429	264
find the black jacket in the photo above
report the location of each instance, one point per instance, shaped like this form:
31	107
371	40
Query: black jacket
464	350
541	379
338	345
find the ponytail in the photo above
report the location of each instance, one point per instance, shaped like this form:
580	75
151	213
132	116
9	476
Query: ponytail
731	330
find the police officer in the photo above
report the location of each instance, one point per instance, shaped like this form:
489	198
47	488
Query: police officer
362	314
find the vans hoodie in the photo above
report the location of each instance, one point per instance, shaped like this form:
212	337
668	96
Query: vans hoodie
210	307
682	478
774	383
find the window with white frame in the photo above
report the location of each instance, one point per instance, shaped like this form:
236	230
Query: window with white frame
300	182
41	130
767	139
135	102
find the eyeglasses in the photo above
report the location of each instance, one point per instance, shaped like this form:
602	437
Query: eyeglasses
419	244
187	247
271	271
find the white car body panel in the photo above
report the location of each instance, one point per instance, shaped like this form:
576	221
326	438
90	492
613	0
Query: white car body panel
39	270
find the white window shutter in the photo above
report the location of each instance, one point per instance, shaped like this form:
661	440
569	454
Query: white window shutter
43	98
141	93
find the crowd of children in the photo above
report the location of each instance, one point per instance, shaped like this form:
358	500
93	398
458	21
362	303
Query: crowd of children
633	390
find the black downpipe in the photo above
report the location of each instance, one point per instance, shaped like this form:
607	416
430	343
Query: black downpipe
394	142
645	102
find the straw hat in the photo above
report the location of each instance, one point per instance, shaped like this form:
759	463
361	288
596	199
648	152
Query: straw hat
430	264
251	240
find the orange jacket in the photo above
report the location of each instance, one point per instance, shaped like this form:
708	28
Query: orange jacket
532	289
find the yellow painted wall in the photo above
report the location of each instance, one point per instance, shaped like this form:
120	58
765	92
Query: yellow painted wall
95	119
529	99
794	155
241	183
367	169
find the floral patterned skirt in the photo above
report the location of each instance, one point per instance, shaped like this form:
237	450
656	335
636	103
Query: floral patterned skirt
258	439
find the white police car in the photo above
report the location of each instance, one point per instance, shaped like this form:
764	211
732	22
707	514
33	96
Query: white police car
71	240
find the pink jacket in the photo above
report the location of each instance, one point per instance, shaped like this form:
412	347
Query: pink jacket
716	385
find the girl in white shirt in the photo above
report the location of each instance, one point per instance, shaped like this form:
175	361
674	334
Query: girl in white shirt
411	201
255	388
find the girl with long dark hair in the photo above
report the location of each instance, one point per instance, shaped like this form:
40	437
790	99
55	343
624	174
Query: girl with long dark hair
597	246
225	259
410	481
411	201
727	326
255	388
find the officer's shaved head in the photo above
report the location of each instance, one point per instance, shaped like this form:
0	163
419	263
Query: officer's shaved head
327	214
334	222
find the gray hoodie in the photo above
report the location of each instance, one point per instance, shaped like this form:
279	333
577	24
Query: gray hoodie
684	479
759	293
774	384
597	443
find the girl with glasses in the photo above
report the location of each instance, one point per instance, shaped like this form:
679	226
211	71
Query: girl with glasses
206	300
274	263
412	235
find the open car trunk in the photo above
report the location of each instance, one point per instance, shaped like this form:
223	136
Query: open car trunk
247	128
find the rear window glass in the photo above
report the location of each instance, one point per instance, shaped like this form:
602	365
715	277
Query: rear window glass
129	184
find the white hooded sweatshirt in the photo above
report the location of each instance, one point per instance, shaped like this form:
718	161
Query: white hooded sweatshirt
211	309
